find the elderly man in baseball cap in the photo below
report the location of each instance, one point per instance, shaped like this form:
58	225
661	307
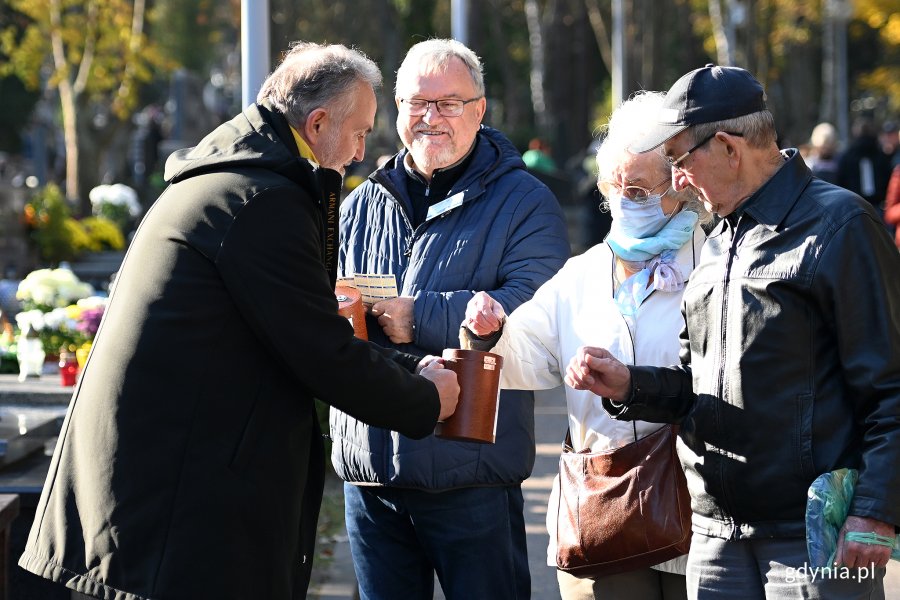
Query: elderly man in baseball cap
790	362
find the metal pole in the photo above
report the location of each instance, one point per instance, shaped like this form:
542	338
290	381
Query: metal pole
843	105
459	21
254	48
619	65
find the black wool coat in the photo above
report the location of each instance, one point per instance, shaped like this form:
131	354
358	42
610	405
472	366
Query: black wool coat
190	464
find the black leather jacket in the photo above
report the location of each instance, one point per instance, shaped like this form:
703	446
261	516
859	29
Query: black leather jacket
792	344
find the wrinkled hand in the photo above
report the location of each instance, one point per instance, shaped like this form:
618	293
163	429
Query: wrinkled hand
396	317
428	360
597	370
484	315
446	384
856	554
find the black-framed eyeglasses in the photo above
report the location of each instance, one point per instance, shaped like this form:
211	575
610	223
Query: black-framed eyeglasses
446	107
676	162
633	193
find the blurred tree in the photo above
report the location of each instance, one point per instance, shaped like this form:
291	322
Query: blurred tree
17	101
98	55
192	32
780	43
880	76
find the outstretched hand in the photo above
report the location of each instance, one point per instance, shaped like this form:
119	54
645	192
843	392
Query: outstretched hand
484	315
597	370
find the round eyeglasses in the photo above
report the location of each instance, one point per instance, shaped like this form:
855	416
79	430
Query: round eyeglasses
632	193
446	107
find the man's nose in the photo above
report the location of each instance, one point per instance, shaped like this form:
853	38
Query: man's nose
431	113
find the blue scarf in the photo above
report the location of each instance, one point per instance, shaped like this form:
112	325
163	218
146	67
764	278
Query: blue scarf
655	256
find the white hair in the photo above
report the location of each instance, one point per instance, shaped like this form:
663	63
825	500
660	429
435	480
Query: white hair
628	124
433	56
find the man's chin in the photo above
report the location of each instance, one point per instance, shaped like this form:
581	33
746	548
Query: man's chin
339	168
433	158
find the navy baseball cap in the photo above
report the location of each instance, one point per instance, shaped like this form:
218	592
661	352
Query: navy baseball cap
704	95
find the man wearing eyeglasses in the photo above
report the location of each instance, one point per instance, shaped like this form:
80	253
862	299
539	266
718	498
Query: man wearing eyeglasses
790	363
454	212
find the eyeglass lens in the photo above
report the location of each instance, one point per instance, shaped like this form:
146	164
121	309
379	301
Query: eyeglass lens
447	108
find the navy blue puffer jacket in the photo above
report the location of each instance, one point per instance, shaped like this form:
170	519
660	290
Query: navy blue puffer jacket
502	232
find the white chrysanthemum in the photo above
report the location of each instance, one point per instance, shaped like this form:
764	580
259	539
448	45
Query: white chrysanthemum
57	318
92	302
53	287
118	194
30	318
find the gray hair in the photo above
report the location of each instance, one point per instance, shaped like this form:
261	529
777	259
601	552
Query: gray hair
433	56
314	76
758	129
629	123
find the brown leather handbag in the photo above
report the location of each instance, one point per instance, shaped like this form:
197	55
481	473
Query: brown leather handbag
623	509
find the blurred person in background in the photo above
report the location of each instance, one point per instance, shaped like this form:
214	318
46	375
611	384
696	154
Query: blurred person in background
823	152
892	204
863	167
538	157
890	141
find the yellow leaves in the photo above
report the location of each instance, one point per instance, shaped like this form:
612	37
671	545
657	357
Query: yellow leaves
97	40
884	80
890	32
881	15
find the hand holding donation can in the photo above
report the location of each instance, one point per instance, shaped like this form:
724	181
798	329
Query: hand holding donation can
475	419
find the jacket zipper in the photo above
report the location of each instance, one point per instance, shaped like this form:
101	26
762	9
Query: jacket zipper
385	183
412	238
732	253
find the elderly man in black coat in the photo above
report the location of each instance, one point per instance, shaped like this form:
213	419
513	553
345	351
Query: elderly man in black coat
191	462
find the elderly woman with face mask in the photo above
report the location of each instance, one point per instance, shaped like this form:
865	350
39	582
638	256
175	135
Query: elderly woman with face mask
623	294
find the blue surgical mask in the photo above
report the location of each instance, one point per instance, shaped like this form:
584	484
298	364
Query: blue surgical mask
638	220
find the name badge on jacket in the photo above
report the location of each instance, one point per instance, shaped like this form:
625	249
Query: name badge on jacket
445	205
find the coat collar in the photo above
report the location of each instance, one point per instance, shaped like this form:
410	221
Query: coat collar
770	204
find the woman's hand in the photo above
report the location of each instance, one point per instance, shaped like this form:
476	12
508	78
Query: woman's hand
484	315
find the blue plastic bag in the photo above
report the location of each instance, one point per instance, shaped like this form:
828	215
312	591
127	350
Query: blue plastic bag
827	503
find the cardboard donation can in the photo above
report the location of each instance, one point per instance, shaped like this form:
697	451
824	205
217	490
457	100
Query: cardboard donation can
351	307
475	419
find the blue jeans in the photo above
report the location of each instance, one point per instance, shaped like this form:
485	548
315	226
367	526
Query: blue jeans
773	569
473	538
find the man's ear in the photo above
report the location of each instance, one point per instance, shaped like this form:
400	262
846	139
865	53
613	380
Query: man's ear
480	108
314	125
730	147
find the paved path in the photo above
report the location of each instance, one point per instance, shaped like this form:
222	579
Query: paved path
336	580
